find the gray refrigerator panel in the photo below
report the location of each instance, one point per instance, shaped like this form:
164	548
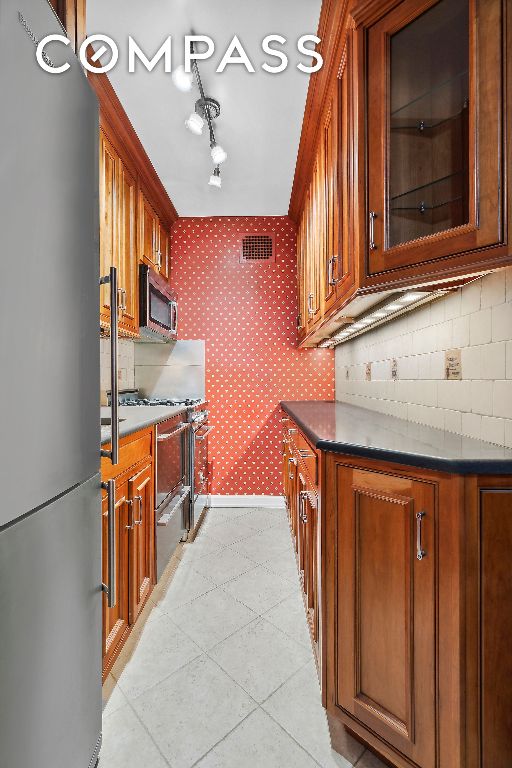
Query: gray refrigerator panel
50	634
49	240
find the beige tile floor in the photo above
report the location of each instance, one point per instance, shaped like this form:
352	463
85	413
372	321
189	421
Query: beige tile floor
219	672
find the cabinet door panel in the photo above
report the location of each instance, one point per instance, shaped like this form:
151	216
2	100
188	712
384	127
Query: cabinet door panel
128	248
385	637
109	254
149	233
164	250
434	133
115	620
142	531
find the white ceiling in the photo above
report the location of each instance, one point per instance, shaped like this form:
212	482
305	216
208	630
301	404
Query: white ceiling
261	117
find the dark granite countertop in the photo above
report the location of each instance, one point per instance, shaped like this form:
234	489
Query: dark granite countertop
349	429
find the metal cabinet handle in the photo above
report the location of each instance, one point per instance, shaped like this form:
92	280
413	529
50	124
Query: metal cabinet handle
111	279
168	435
139	520
205	433
311	310
373	216
305	454
159	259
420	552
330	271
292	462
174	321
110	588
299	322
121	299
302	507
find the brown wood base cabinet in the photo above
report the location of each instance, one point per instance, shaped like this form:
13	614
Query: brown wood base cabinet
407	585
134	539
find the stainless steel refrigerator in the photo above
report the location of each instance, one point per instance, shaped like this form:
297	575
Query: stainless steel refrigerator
50	518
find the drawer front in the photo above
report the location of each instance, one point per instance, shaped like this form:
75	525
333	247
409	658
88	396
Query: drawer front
306	455
132	449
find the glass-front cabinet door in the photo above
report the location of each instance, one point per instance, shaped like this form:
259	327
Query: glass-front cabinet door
434	134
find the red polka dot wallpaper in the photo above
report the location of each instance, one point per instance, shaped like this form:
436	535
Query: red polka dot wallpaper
246	312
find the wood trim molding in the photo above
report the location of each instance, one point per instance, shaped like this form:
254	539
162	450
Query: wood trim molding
330	31
113	114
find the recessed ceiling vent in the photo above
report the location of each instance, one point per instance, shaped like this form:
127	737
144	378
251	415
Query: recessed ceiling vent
258	248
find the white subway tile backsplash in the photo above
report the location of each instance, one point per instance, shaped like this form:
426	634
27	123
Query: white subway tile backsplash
461	331
502	399
454	395
477	320
472	425
481	397
502	322
470	297
493	289
453	421
480	325
493	430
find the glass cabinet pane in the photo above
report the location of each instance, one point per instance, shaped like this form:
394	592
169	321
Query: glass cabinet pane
428	123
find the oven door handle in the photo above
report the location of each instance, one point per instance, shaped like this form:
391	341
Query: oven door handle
208	430
168	435
165	518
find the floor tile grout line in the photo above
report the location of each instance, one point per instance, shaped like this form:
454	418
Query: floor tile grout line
224	737
166	761
291	736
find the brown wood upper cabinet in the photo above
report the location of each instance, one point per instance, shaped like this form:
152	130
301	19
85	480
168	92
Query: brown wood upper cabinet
118	198
433	75
401	175
154	248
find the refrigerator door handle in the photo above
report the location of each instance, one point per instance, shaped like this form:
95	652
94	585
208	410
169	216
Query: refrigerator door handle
111	279
110	588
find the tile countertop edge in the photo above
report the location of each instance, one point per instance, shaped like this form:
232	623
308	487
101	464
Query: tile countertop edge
461	466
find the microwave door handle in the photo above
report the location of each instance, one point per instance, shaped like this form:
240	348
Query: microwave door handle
168	435
111	279
205	433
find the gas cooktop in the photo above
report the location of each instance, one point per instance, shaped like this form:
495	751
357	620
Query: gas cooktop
170	401
132	398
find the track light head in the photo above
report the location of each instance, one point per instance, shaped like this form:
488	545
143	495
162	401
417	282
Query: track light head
215	179
195	123
181	79
218	154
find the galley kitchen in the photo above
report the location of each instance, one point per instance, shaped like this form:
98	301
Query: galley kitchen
256	345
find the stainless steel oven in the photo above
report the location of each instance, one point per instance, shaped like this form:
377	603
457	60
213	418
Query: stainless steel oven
172	490
158	307
198	466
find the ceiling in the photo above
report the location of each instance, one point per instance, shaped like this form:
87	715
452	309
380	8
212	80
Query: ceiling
262	113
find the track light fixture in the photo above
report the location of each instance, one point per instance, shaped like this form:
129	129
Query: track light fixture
206	110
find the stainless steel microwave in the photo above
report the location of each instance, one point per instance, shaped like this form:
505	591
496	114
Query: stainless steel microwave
158	307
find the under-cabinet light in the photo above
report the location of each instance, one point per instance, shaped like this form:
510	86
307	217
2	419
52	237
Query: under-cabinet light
399	305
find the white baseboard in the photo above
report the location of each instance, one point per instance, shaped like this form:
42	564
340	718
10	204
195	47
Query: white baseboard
247	501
